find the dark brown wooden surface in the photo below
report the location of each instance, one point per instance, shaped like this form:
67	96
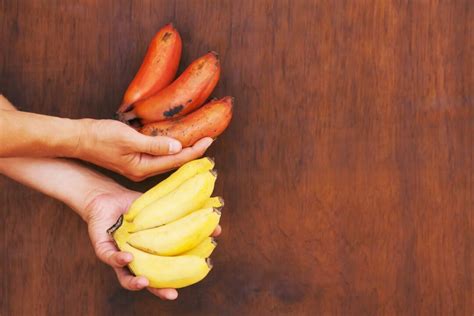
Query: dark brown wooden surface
347	170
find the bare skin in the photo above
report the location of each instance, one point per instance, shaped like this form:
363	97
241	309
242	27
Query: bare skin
106	143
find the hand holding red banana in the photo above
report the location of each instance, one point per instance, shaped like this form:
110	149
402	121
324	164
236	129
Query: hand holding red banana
107	143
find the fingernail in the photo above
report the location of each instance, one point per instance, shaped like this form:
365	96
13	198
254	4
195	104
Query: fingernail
126	258
174	147
142	282
172	296
208	141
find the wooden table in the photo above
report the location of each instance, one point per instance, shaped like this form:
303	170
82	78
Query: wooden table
347	170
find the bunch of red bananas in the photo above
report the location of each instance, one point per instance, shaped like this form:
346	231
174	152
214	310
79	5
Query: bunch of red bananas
159	106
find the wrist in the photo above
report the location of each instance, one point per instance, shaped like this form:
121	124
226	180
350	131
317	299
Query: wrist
75	144
96	190
90	203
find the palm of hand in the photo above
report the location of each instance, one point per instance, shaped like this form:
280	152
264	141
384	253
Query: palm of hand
104	211
120	148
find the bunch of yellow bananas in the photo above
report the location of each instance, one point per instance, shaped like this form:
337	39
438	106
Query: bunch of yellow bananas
168	228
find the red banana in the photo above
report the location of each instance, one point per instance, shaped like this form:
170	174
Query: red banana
189	91
158	68
208	121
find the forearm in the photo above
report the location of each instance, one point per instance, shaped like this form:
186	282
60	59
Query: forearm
61	179
29	134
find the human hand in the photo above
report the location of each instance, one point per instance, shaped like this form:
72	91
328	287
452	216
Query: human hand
118	147
102	212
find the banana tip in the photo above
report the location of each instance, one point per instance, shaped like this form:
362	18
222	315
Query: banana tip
120	117
229	99
211	159
124	107
209	263
221	200
213	241
214	172
214	53
217	210
127	117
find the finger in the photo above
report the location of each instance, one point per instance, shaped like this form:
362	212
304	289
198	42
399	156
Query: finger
122	258
108	253
130	282
164	294
156	145
155	165
217	231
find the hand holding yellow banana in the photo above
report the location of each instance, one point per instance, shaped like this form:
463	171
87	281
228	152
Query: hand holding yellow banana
168	228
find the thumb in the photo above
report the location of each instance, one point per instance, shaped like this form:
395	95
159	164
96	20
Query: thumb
156	145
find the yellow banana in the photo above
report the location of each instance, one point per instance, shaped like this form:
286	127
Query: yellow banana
178	236
204	249
121	234
186	198
184	173
168	272
167	229
215	201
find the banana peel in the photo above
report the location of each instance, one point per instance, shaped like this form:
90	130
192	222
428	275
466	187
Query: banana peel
166	186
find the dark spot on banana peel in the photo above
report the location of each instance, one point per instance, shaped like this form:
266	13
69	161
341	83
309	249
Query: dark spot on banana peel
166	36
154	132
173	111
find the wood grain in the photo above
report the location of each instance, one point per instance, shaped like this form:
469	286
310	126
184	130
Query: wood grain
347	170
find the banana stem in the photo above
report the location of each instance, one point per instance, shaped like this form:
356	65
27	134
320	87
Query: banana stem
115	226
